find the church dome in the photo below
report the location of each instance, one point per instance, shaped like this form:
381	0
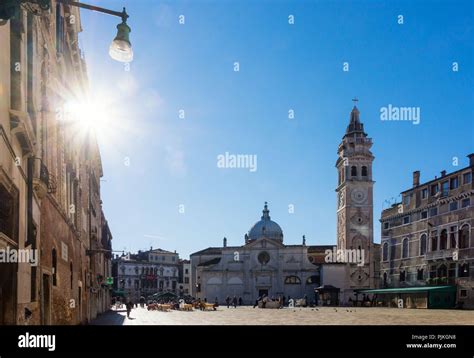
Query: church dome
266	228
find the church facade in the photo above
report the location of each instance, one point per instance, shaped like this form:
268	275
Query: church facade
264	264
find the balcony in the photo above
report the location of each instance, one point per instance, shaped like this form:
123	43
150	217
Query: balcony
45	183
21	127
440	254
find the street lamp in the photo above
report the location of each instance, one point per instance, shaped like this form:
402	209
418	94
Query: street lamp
120	49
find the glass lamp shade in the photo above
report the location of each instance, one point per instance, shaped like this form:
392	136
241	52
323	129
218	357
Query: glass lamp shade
121	48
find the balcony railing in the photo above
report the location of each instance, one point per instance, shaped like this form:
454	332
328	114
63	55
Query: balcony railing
48	178
440	254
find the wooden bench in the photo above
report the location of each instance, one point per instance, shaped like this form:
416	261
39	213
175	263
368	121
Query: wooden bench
185	307
164	307
207	306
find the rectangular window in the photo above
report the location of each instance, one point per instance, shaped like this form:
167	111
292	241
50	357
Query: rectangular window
434	189
406	200
463	293
173	258
424	193
445	188
419	275
386	225
186	271
452	270
433	212
453	206
163	258
453	183
467	178
465	202
424	214
406	220
186	280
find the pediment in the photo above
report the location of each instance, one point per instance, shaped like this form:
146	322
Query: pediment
264	243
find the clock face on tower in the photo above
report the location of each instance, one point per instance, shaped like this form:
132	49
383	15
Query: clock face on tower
358	195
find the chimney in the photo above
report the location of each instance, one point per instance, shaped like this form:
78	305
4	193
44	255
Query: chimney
443	173
225	242
471	159
416	178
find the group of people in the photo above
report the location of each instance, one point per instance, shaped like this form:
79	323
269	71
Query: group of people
233	301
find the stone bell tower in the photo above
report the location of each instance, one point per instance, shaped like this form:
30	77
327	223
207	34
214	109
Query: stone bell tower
355	201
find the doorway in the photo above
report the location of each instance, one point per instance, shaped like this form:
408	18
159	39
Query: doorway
45	301
8	274
262	292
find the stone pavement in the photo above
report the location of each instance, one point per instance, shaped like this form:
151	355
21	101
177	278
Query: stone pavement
246	315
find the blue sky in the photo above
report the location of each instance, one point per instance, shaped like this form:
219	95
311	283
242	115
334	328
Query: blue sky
173	161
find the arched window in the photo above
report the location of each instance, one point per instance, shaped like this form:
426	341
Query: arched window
443	240
442	271
405	248
423	244
452	237
353	171
393	252
402	276
292	280
385	252
464	237
434	241
71	272
54	260
364	171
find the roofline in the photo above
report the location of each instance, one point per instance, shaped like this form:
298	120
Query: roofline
437	179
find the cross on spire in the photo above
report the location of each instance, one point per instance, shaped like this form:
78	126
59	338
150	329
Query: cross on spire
355	100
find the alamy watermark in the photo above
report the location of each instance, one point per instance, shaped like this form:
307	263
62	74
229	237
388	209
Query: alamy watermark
10	255
394	113
351	256
240	161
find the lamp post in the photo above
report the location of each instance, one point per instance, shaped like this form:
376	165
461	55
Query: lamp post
120	48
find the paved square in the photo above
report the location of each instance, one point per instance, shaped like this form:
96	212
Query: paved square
246	315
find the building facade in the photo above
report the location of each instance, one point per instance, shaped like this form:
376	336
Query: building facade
184	283
263	265
427	238
50	199
146	273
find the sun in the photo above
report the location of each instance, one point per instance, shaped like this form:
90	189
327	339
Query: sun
88	115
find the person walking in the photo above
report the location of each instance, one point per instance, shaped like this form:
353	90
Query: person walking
234	301
256	301
129	308
240	301
227	301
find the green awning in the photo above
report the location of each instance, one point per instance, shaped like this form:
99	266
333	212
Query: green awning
410	289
